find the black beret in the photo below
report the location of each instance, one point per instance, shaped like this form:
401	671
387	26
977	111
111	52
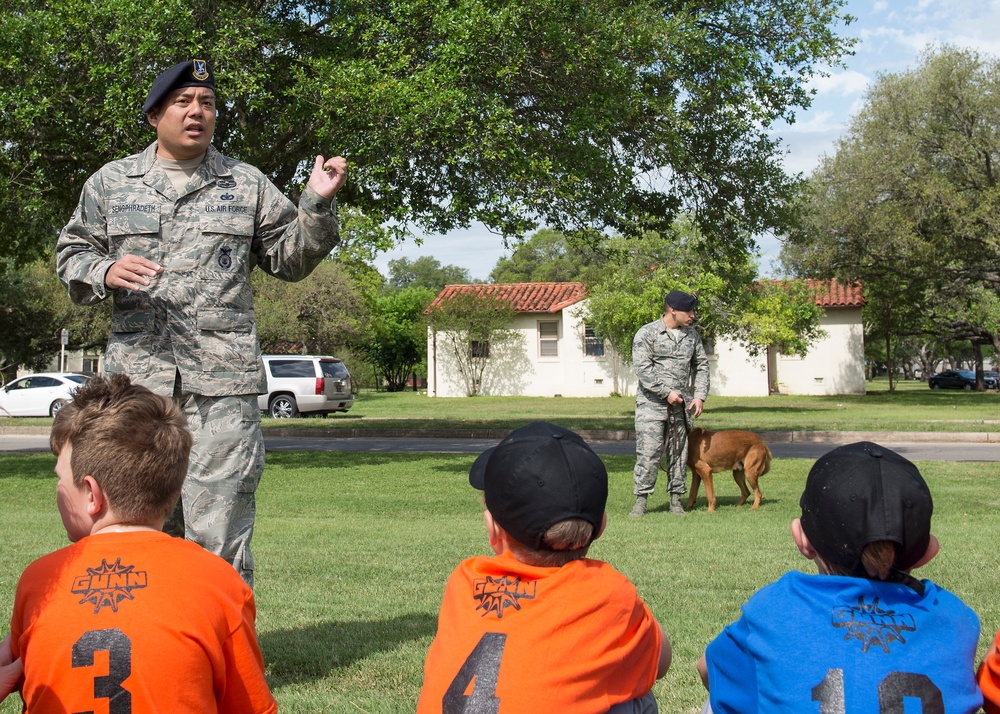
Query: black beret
680	300
193	73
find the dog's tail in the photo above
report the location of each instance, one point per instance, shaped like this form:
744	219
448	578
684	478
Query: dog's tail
767	459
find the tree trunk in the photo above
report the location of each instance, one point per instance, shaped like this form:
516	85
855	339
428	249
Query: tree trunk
889	363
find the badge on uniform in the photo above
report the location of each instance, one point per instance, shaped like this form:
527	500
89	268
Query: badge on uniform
225	260
225	183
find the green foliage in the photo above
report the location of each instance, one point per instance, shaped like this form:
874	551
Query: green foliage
397	340
572	114
551	256
472	326
34	309
731	302
425	272
323	314
909	202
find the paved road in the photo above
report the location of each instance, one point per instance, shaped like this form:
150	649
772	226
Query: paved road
922	451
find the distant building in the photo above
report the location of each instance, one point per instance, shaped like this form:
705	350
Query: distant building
834	364
559	354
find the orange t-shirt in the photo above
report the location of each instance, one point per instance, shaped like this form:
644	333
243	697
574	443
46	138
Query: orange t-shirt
989	678
137	622
577	638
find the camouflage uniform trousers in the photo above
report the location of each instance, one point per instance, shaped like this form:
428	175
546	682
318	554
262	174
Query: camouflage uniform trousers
227	460
654	427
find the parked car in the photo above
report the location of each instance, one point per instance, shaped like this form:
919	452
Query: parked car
961	379
305	384
39	395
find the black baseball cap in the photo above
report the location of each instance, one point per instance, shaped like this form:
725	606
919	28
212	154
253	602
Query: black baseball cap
861	493
539	475
192	73
680	300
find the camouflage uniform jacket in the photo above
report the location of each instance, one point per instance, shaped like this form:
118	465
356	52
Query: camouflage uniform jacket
196	317
668	360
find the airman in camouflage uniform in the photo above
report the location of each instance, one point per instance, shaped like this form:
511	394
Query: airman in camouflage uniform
172	234
672	370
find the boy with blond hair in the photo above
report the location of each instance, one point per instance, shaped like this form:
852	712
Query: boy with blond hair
864	635
541	627
126	618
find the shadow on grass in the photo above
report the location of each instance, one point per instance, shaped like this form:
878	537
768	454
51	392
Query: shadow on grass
312	652
33	466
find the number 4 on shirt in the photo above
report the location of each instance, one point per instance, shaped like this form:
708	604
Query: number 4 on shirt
481	669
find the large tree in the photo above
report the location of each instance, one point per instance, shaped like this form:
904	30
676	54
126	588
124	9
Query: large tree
571	114
732	302
397	341
34	309
910	203
323	314
425	272
552	256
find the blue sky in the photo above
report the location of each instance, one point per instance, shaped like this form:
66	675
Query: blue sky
892	34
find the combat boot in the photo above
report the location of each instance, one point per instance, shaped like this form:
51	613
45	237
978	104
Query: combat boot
675	504
639	509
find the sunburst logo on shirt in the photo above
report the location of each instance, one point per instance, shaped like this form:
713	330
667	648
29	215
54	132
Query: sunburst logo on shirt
497	594
108	585
872	625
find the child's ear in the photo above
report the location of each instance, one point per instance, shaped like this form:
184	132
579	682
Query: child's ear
801	541
96	500
932	549
494	532
604	524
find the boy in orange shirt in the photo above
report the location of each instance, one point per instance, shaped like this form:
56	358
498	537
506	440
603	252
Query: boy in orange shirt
127	618
540	627
989	678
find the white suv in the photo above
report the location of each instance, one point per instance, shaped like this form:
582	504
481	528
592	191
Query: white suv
305	384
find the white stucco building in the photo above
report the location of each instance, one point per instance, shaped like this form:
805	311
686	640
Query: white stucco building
834	364
556	353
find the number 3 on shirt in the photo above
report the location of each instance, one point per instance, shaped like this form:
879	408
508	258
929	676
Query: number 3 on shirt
483	665
119	649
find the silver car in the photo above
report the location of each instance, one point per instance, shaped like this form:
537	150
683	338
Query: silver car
305	384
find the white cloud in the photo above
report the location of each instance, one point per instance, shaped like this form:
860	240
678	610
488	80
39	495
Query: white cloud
844	84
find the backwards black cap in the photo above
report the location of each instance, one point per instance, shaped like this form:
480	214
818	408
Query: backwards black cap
193	73
861	493
539	475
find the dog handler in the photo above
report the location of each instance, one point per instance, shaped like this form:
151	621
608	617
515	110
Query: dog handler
672	368
172	234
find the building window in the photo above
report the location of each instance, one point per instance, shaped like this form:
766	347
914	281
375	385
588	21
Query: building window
593	343
548	339
479	349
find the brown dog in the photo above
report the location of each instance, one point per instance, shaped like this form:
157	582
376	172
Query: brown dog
741	452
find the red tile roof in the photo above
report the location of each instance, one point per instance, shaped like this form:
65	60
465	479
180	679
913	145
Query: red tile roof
523	297
553	297
832	293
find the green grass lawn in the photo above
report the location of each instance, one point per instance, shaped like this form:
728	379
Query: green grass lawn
912	407
353	551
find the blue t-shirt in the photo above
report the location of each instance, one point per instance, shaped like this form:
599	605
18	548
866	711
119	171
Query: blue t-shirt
829	644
